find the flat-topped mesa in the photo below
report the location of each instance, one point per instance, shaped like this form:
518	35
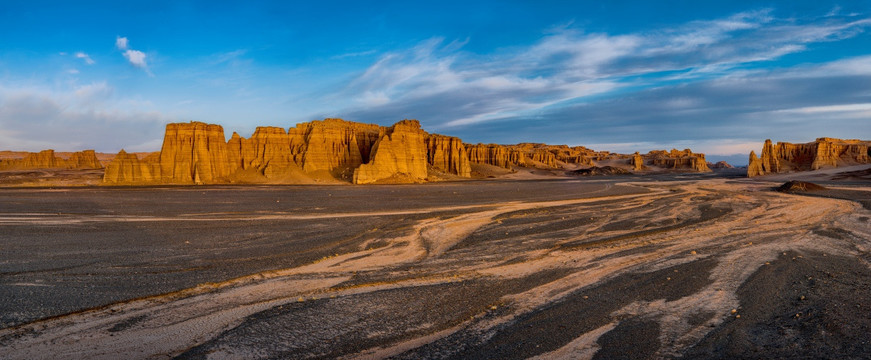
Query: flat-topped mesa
85	159
267	151
194	153
399	156
492	154
679	160
46	159
127	169
822	153
448	154
336	146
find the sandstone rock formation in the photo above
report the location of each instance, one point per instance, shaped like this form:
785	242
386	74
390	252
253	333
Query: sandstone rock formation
194	153
492	154
47	159
448	154
822	153
679	160
399	155
126	168
721	165
637	162
334	149
754	167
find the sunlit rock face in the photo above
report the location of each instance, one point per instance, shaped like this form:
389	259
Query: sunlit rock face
399	156
47	159
448	154
819	154
679	160
344	151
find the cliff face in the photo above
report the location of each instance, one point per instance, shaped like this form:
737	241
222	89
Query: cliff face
822	153
47	159
334	149
399	155
193	153
128	169
337	145
448	154
679	160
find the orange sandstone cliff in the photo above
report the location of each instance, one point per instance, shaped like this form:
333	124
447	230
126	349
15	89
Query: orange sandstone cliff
47	159
820	154
196	153
338	150
400	155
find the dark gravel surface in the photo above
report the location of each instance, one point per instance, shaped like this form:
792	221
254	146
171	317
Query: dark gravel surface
802	306
53	269
555	325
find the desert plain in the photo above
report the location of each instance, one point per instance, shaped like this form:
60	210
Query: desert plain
678	265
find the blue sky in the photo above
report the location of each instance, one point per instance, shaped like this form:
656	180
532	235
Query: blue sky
618	75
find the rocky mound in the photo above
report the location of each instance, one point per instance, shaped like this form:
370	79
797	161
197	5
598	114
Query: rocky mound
721	165
799	186
600	171
822	153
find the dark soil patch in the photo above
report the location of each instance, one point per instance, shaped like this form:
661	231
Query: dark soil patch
808	306
633	339
555	325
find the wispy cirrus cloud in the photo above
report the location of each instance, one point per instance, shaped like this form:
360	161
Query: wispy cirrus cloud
85	57
708	75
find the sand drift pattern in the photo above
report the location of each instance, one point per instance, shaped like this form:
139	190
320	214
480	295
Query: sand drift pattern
699	269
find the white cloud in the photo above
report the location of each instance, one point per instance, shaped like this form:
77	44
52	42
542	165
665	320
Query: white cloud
75	117
73	71
445	86
862	109
136	58
85	57
121	43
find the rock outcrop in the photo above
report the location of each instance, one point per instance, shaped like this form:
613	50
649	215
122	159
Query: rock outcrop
679	160
720	165
336	145
754	166
338	150
47	159
637	162
448	154
127	169
194	153
399	156
492	154
822	153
